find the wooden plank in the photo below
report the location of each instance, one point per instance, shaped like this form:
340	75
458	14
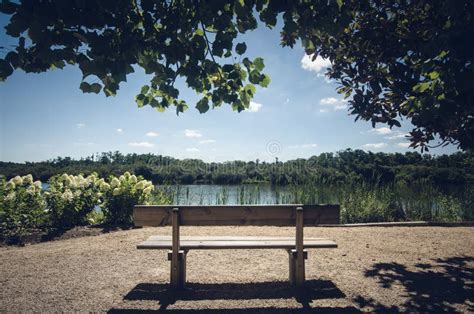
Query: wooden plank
235	215
225	238
213	245
175	267
299	269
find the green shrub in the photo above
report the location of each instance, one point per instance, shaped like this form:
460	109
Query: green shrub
95	217
360	204
71	198
121	194
448	209
22	207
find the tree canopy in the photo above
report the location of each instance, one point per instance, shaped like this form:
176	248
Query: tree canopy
392	59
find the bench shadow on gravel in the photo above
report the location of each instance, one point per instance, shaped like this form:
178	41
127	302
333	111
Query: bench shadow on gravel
431	288
313	290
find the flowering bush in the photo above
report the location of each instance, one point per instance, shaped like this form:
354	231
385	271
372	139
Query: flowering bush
121	194
22	208
71	198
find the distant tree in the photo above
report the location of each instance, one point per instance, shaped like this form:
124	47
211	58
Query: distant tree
394	59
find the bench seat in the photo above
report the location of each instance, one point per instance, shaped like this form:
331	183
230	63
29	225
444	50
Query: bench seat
233	242
281	215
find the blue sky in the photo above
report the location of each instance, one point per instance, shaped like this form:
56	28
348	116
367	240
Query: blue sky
43	116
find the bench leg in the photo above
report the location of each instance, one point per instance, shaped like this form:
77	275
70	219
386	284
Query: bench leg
291	267
296	280
180	280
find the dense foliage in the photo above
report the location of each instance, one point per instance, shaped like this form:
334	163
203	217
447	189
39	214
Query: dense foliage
394	59
69	201
121	194
348	166
71	198
22	206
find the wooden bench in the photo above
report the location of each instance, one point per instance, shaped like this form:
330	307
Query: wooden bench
235	215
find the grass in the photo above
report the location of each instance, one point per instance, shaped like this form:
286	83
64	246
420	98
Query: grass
359	202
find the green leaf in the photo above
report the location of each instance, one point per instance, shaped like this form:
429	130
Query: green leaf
241	48
433	75
199	32
5	69
139	100
203	105
90	88
421	87
258	63
266	81
145	89
181	107
254	77
160	109
8	7
339	3
250	89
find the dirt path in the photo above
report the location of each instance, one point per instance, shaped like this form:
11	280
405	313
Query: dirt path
425	269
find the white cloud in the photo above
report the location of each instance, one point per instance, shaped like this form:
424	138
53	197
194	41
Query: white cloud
141	144
374	145
403	145
192	149
152	134
336	104
254	107
381	131
80	125
323	110
397	136
207	141
192	133
317	65
119	130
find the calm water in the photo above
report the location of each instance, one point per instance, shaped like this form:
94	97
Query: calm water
226	194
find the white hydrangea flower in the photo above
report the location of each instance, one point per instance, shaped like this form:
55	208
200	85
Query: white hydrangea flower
104	186
148	190
122	178
38	184
67	196
133	179
28	179
117	191
10	185
126	174
17	180
114	183
10	196
140	185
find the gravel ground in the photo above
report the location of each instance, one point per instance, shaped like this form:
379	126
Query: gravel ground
384	269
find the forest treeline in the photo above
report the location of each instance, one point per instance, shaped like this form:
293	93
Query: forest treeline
347	166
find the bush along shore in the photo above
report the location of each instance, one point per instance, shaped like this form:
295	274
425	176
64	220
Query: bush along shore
70	201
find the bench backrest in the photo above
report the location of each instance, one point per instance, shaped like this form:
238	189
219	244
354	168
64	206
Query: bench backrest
235	215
